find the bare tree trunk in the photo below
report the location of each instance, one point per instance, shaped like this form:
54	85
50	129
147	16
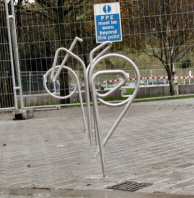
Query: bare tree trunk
171	76
172	88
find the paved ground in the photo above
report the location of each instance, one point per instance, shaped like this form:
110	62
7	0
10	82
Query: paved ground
155	143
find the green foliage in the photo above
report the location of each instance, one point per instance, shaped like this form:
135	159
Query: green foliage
129	91
114	98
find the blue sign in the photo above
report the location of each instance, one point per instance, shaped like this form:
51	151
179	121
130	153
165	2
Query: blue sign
108	22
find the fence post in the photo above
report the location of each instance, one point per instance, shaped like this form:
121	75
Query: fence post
30	82
16	53
11	56
21	113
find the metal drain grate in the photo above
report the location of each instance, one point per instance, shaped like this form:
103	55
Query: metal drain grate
130	186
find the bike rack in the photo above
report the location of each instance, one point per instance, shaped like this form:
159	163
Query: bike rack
56	68
103	48
92	115
100	97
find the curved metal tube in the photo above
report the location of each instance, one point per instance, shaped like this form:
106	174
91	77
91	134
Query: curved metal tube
85	79
128	101
46	76
97	126
87	94
96	97
103	72
78	88
130	98
106	45
54	76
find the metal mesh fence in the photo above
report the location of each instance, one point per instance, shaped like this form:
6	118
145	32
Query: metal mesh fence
6	88
43	27
157	35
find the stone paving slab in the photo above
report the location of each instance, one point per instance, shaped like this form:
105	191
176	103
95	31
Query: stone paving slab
154	144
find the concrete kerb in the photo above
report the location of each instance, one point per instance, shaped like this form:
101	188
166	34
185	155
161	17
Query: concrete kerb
47	192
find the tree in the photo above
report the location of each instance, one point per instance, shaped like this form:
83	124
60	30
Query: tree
168	29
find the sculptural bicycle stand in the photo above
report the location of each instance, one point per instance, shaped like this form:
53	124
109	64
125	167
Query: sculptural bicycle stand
53	73
91	115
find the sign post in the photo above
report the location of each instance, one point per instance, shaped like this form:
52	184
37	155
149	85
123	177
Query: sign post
108	22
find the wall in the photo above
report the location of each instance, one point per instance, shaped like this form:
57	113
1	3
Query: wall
44	99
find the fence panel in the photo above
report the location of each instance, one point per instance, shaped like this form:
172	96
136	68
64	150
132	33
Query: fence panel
156	34
6	83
